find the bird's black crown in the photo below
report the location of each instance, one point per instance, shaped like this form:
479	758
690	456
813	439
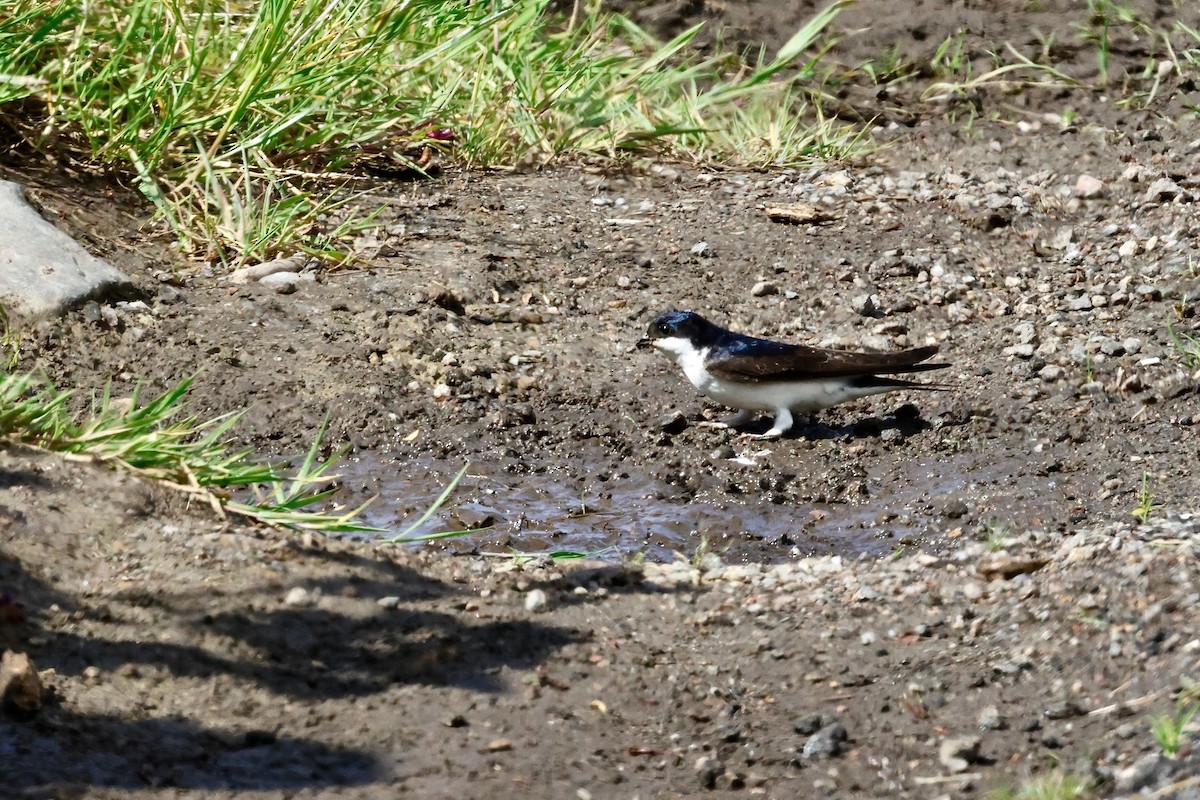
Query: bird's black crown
683	324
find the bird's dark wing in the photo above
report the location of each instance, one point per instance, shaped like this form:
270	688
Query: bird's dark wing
756	360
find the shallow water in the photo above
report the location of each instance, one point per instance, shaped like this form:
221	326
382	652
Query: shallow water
638	513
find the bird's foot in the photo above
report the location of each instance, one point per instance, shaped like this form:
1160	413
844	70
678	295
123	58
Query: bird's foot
740	418
783	423
774	433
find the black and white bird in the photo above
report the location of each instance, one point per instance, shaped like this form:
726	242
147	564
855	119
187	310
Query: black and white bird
752	374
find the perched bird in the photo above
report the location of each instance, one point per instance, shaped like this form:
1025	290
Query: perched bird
752	374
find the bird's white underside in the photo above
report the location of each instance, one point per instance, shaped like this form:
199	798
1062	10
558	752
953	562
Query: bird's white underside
781	397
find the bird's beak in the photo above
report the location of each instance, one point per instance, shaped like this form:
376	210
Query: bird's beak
643	343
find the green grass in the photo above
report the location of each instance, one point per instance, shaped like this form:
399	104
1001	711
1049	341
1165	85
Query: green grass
1058	786
1187	346
1145	505
157	440
1173	731
246	123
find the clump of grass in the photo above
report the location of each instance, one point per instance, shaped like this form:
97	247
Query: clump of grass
1170	731
245	125
1187	346
1173	731
1145	505
1057	786
10	341
156	440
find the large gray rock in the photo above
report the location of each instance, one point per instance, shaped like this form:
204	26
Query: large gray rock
44	272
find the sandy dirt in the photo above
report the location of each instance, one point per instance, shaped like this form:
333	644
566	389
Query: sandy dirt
914	595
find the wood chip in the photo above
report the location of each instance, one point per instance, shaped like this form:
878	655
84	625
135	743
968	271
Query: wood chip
799	214
1005	566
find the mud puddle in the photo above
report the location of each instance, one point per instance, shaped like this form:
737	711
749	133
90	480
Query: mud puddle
549	510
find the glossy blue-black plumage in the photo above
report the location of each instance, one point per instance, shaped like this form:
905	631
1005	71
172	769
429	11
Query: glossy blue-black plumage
737	357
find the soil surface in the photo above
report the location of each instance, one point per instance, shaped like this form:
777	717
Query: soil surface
915	595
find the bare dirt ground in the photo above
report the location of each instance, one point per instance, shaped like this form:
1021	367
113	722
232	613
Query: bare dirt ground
911	596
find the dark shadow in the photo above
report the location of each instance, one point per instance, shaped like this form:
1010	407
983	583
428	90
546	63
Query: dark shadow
162	753
338	648
12	478
906	420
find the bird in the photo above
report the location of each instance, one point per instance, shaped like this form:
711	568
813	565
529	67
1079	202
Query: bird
752	374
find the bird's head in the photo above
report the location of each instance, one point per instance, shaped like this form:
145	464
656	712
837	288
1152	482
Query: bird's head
676	332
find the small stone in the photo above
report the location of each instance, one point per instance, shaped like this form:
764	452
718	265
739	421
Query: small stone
1111	347
1050	373
1128	249
455	721
390	601
498	746
673	423
526	382
1063	710
707	769
865	304
807	726
536	601
1138	774
1162	190
954	508
958	753
764	288
827	742
990	719
297	596
1088	187
20	685
702	250
1081	303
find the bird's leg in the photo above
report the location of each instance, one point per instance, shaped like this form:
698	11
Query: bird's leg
740	418
783	423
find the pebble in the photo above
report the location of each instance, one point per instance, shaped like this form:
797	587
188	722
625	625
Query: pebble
954	508
1050	373
763	289
865	305
1088	187
958	753
990	719
536	601
1063	710
807	726
1162	190
702	250
298	596
390	601
707	769
827	742
675	422
1138	774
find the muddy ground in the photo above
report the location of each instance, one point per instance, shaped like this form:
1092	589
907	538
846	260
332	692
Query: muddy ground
914	595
